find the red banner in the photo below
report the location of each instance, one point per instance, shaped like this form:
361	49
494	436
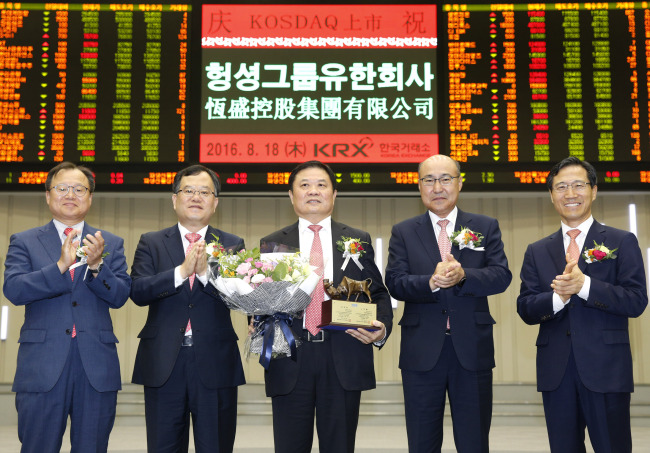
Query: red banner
319	26
331	148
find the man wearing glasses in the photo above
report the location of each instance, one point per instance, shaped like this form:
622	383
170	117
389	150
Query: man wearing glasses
68	275
443	264
187	359
581	284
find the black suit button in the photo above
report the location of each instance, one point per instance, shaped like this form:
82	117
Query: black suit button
444	312
568	333
191	305
182	329
68	331
74	304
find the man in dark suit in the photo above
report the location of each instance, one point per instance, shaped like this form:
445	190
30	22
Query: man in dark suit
447	345
332	367
187	360
67	360
582	302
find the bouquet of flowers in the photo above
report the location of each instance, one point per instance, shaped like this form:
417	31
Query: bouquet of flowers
272	287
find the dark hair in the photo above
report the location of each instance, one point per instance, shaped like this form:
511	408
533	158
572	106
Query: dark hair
195	170
70	166
312	164
568	162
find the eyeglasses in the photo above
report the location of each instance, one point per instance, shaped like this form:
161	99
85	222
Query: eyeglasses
443	180
577	186
189	192
63	189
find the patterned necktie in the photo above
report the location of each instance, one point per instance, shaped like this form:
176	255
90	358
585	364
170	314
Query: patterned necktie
573	250
67	231
314	310
444	245
192	238
443	239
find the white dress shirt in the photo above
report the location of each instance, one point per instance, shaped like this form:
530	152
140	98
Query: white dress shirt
306	237
580	240
60	227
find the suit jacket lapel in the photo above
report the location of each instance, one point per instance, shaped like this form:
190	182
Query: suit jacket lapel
424	230
49	238
174	246
463	220
556	252
338	230
292	237
595	234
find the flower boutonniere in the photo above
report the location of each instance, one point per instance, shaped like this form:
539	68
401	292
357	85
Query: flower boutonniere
467	238
598	253
83	257
351	248
214	249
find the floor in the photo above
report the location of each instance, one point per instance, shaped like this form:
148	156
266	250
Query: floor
258	439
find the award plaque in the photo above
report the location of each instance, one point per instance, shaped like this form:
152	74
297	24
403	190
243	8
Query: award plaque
348	314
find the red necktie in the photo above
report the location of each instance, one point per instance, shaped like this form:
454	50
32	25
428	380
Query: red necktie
74	329
573	250
192	238
315	308
444	245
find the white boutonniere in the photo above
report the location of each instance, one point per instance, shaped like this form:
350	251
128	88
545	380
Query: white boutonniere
467	238
352	248
83	258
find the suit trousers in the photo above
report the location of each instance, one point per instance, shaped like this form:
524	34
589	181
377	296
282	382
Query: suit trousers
168	409
572	406
317	389
42	416
470	400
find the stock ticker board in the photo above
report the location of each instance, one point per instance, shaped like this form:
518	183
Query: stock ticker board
529	84
138	91
104	85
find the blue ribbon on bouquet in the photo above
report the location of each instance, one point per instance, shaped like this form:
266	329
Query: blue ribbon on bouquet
267	329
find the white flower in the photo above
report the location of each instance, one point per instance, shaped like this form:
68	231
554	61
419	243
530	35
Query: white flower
258	278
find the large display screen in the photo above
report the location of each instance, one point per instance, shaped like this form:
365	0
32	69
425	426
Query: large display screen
351	85
104	85
139	90
528	84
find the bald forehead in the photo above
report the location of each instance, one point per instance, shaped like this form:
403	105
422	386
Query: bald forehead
438	164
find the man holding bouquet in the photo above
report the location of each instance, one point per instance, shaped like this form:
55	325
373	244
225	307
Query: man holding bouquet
187	360
331	367
68	275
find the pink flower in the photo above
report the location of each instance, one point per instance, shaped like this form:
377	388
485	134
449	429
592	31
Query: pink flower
258	264
599	255
243	268
248	260
252	272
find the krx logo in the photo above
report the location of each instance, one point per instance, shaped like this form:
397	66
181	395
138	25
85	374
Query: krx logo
349	150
